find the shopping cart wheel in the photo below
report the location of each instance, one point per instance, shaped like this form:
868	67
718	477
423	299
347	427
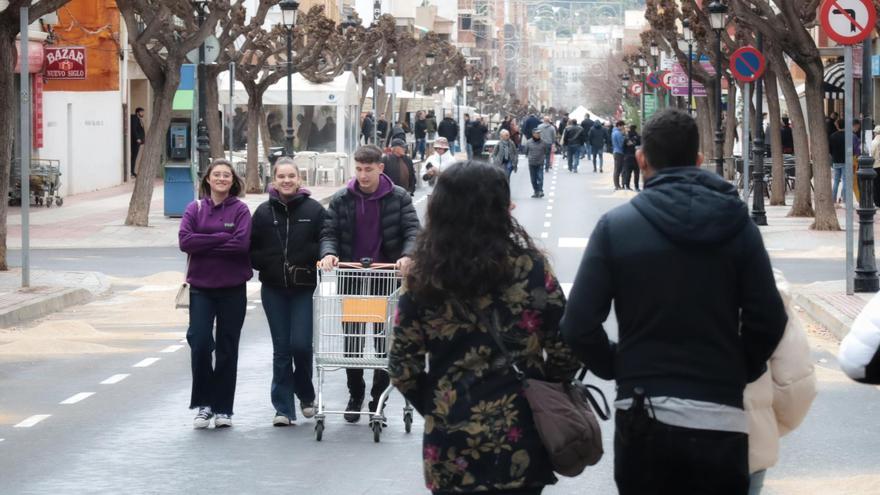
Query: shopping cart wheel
319	430
377	430
59	201
407	421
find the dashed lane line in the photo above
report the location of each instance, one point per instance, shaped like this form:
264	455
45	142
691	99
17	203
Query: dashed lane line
31	421
172	348
249	308
146	362
549	215
552	194
115	379
73	399
549	207
546	224
544	235
573	242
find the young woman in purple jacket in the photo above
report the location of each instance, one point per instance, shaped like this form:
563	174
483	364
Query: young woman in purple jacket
215	232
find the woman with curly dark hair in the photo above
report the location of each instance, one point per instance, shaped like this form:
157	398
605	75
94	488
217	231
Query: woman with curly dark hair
474	264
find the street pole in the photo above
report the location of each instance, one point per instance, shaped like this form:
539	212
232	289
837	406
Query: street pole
202	139
231	111
759	215
866	264
288	137
25	147
719	135
690	78
747	107
847	167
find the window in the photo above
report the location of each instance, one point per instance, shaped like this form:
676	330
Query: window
464	22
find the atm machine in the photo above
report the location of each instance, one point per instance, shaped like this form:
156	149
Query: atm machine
179	175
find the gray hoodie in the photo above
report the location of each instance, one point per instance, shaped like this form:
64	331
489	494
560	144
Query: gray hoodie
548	132
536	151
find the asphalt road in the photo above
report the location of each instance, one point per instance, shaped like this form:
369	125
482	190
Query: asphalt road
135	434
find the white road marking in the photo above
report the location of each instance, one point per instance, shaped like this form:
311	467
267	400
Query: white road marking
551	201
172	348
2	439
771	250
73	399
544	235
552	194
546	224
549	215
31	421
146	362
573	242
549	207
250	307
258	301
115	379
566	289
183	341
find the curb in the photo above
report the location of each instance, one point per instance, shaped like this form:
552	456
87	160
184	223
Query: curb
837	323
49	300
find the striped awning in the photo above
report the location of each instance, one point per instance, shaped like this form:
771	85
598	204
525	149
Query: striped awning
833	81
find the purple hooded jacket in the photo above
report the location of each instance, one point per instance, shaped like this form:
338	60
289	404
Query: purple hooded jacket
217	238
368	220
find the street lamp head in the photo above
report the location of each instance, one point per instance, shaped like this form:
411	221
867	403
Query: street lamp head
686	31
655	50
642	62
717	15
429	59
289	10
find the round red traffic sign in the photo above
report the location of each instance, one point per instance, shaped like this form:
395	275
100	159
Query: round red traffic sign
636	89
848	22
747	64
654	80
666	79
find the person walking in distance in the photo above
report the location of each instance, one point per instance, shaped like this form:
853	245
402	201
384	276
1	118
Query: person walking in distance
438	162
630	167
448	129
215	232
399	167
587	126
476	136
573	141
285	241
372	219
688	347
597	145
617	144
548	135
420	132
367	127
504	155
536	154
138	137
479	435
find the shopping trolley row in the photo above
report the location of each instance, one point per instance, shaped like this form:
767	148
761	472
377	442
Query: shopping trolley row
354	307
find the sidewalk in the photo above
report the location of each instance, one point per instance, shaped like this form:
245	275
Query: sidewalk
87	221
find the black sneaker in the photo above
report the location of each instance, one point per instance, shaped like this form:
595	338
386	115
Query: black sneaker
541	194
535	195
355	405
203	418
372	405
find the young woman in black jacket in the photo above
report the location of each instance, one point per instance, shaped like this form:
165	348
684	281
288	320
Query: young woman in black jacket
285	240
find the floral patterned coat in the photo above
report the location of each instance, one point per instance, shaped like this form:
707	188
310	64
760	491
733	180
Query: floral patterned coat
479	432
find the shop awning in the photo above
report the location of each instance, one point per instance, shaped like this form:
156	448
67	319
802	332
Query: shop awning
833	81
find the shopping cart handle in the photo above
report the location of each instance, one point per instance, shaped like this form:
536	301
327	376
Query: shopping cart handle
373	266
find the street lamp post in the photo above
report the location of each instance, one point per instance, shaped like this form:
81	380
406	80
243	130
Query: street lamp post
203	145
289	10
759	216
689	38
643	69
866	264
718	19
655	52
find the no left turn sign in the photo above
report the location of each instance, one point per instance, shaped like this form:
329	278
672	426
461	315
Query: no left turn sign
848	21
636	89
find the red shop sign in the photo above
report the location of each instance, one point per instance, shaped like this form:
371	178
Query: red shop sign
66	62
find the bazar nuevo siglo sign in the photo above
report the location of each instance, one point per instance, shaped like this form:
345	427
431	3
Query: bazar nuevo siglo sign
66	62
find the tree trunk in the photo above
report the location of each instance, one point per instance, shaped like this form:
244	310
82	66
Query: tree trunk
730	123
401	115
212	103
826	217
7	128
704	124
153	148
803	201
777	186
265	135
255	110
305	128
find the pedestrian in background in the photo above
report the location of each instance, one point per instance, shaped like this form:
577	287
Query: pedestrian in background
536	153
476	137
448	129
399	167
431	126
687	347
617	145
548	135
630	167
438	162
597	141
367	127
381	130
420	132
840	160
479	434
504	155
285	240
397	132
215	232
859	354
138	137
372	219
787	136
778	402
587	126
573	141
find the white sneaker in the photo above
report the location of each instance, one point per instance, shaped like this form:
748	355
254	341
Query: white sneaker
308	409
222	421
203	418
280	420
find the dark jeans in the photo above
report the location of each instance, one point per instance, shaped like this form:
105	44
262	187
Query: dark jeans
574	157
618	168
419	149
521	491
630	169
652	458
548	158
477	150
597	155
214	384
135	150
289	312
537	176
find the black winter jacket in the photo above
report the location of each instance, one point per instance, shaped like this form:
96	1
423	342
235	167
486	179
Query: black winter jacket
696	302
573	135
299	225
448	129
421	128
597	138
400	226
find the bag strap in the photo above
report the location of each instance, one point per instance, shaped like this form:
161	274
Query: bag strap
603	413
189	256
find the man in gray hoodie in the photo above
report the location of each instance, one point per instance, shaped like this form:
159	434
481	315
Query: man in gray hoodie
536	151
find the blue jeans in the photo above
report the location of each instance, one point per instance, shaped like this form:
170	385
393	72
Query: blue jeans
508	169
838	177
289	312
756	482
215	364
548	158
537	176
601	157
470	151
420	148
574	157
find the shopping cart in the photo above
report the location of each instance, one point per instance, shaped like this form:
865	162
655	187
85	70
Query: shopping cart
354	308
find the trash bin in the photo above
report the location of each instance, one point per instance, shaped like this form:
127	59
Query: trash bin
179	189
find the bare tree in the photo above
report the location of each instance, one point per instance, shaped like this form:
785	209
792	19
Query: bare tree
9	29
163	32
777	189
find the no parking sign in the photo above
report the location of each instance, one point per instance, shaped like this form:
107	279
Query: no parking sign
747	64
